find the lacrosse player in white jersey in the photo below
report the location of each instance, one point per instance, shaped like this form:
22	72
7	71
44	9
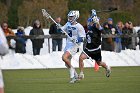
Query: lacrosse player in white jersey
76	35
4	49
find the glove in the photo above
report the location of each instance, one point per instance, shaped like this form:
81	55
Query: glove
58	26
113	30
95	19
78	40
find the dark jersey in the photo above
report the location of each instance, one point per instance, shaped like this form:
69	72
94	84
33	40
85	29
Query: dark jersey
93	37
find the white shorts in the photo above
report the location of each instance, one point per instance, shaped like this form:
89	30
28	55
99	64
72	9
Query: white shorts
1	80
71	48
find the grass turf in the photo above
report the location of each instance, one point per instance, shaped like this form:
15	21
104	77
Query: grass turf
122	80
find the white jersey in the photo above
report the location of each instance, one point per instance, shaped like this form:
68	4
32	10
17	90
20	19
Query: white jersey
3	51
74	31
3	43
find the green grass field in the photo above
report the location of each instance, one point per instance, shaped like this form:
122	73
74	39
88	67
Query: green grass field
122	80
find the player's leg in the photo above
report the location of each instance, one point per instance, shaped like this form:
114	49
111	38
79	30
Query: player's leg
67	59
81	65
59	45
98	59
54	44
1	83
1	90
108	69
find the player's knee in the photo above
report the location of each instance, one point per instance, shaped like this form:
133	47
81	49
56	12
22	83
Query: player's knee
82	57
63	58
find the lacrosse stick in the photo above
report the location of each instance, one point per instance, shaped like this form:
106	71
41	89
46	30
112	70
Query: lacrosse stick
110	9
94	15
47	15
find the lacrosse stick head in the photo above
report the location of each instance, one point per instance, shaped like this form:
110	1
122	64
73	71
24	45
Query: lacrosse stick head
93	13
73	15
44	12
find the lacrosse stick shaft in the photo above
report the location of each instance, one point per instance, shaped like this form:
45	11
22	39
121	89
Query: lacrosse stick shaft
109	10
103	11
48	16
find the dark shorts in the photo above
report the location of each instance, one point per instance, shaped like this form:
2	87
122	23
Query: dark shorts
96	55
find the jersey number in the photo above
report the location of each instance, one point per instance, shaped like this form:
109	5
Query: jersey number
88	39
70	33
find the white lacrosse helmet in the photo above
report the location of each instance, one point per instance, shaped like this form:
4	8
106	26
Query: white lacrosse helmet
73	15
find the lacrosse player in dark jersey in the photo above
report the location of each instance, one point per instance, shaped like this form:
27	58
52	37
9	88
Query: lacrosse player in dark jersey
93	44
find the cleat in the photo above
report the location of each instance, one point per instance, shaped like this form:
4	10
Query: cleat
108	72
73	80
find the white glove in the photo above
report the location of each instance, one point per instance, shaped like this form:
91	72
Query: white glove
58	26
95	19
113	31
78	40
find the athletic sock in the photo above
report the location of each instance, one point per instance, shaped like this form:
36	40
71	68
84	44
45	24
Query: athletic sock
107	67
81	72
75	73
72	71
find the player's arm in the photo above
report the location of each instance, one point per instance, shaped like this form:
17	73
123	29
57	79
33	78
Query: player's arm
63	28
81	33
97	22
99	26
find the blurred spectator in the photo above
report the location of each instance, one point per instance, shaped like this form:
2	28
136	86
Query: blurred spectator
113	30
139	38
54	29
127	41
20	41
109	28
134	39
118	45
8	32
110	23
37	44
107	42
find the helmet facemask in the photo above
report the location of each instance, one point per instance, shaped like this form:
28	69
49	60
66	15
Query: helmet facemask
73	16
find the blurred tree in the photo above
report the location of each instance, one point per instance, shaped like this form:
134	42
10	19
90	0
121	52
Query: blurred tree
12	6
125	10
136	12
85	7
31	10
4	11
13	13
122	16
23	12
121	4
8	2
